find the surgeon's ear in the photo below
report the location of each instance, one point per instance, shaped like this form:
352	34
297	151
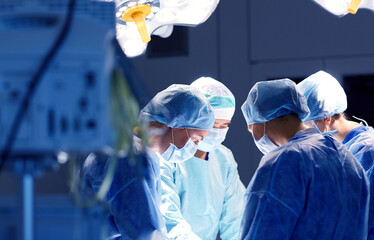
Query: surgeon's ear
327	122
250	128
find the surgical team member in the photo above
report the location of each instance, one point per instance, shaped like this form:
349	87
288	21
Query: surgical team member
204	195
133	198
133	201
327	102
307	185
178	118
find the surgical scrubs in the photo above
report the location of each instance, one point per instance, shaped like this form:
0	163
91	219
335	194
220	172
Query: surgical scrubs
370	174
310	188
202	197
360	141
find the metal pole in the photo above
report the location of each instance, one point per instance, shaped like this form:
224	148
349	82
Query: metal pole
28	206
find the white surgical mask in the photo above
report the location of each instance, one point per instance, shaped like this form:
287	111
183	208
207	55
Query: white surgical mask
174	154
213	140
265	145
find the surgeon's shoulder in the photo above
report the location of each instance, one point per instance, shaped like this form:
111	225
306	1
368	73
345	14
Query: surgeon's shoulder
224	154
365	138
291	155
94	165
152	154
166	165
223	149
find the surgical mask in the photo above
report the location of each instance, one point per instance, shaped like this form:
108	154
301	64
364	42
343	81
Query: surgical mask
319	131
174	154
265	145
213	140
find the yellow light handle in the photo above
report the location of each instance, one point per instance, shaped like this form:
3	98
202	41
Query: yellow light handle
142	27
353	6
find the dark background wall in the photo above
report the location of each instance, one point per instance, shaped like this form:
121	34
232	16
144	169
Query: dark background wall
243	42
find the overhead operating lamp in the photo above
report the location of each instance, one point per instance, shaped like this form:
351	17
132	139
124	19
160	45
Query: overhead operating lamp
343	7
138	20
137	14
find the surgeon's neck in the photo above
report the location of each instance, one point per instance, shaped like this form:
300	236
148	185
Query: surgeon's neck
343	126
282	129
200	154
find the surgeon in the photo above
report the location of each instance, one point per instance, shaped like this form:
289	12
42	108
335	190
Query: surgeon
134	197
327	102
307	185
203	195
178	118
132	200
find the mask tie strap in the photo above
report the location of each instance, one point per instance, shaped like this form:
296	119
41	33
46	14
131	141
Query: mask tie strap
325	133
187	133
264	129
315	126
172	136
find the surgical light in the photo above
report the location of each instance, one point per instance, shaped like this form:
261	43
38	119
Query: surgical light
137	14
353	6
175	3
156	17
343	7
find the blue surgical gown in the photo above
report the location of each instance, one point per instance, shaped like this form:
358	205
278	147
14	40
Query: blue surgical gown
310	188
370	174
360	141
202	197
133	198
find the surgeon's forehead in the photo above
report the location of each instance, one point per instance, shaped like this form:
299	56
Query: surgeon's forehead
221	123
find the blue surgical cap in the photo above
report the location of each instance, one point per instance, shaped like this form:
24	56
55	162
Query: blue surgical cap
325	96
268	100
179	106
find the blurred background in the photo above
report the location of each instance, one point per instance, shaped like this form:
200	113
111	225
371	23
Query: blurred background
244	41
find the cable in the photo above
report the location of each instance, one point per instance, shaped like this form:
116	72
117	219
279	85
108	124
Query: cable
34	83
362	120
